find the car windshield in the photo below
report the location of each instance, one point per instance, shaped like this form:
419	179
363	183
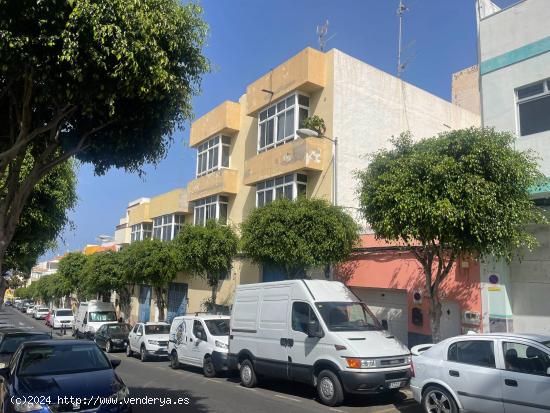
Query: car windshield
348	316
63	313
119	328
62	359
157	329
218	327
9	344
98	316
43	310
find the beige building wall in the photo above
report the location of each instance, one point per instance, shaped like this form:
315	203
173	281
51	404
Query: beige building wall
465	89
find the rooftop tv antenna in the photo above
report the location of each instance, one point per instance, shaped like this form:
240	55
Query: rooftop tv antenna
322	32
400	12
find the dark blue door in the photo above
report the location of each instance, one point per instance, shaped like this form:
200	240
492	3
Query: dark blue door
144	303
271	272
177	300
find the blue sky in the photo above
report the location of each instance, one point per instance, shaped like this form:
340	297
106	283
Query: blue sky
249	37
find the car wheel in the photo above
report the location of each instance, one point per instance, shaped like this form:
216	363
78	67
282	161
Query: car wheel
143	354
248	375
329	388
108	348
129	352
174	362
208	367
438	400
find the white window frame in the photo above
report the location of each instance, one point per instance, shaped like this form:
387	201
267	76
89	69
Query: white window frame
204	204
167	224
276	188
141	231
545	93
272	113
206	151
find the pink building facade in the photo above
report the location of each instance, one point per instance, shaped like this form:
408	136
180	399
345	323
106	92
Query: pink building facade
392	283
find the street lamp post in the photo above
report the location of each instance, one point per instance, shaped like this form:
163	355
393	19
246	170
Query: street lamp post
305	133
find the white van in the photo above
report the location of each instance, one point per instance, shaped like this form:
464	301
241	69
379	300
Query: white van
90	316
316	332
200	340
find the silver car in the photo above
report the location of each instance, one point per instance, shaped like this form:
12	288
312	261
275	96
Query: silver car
484	373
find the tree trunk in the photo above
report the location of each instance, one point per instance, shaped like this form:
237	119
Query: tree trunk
3	288
435	318
214	296
161	302
125	300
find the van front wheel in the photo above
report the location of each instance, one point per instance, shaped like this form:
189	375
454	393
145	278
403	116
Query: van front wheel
248	376
329	388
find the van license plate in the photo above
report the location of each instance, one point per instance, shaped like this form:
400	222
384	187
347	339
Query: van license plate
396	384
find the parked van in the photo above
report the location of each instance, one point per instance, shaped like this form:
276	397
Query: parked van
200	340
316	332
90	316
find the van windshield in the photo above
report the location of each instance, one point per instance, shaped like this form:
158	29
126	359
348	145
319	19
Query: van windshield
218	327
348	316
98	316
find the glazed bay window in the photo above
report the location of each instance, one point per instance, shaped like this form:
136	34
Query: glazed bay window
277	124
289	186
212	207
213	155
534	108
140	232
166	227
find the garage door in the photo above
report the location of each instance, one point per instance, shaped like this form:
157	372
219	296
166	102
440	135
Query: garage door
390	305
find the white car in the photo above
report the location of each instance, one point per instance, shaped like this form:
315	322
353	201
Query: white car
30	310
62	317
148	339
485	373
200	340
40	313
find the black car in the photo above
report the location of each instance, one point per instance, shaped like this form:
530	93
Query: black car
113	336
10	340
62	376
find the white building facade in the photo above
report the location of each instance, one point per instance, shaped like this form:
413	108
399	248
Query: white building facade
514	64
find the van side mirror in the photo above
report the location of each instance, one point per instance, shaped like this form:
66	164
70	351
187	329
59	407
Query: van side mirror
548	371
385	324
85	321
115	363
314	329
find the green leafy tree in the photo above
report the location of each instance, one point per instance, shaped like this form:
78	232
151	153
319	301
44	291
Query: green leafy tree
151	262
105	81
461	193
71	272
102	274
206	251
42	219
298	235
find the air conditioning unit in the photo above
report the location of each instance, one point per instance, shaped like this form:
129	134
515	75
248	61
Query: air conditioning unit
471	317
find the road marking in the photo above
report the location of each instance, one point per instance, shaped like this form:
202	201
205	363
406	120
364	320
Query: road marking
280	396
337	410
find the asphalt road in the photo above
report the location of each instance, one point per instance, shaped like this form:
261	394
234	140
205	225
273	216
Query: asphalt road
155	379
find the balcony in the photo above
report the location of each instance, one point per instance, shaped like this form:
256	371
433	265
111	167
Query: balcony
305	71
224	119
222	182
310	154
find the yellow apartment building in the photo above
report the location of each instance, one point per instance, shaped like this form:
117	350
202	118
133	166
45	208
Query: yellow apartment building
248	154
